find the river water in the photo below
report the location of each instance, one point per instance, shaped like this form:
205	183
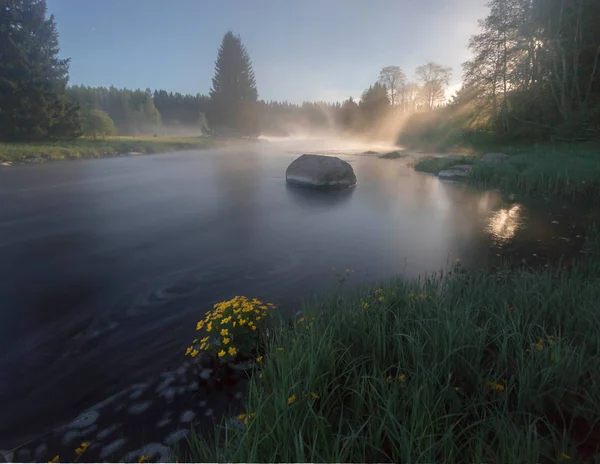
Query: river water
106	265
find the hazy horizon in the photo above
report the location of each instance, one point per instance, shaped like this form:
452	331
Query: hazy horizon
300	52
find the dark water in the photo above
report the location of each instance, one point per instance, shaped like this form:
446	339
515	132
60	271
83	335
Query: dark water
106	265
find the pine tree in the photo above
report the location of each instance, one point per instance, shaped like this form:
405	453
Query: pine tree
233	94
33	103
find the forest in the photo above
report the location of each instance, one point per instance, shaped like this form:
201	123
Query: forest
533	75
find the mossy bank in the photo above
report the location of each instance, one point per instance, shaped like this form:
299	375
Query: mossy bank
101	147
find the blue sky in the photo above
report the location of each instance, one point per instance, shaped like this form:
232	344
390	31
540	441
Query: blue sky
300	50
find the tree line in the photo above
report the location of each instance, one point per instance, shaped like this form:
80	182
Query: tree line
533	73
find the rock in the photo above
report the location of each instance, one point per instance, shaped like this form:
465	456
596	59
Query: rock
187	416
151	450
70	436
320	171
494	158
103	434
139	408
5	163
174	437
40	452
453	174
23	455
112	448
86	420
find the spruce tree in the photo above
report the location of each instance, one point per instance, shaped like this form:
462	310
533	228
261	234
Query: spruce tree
33	103
233	93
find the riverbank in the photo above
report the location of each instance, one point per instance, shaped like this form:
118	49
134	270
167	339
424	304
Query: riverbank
101	147
571	170
471	366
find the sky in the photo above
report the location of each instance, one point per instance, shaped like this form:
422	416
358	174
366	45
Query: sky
300	50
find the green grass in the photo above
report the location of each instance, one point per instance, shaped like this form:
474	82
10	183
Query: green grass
470	366
551	169
109	146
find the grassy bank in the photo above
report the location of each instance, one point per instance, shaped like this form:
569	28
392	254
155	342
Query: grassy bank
565	169
471	366
109	146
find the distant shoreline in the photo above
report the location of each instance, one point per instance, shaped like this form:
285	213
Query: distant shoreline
88	148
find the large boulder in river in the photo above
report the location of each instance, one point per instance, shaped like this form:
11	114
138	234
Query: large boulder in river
494	158
320	171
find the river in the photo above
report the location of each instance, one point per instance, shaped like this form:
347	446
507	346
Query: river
106	265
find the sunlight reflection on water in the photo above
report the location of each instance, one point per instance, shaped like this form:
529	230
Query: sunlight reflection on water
504	224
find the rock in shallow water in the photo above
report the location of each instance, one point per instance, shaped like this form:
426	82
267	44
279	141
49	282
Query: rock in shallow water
320	171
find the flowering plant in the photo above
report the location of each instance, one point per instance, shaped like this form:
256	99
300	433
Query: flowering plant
232	328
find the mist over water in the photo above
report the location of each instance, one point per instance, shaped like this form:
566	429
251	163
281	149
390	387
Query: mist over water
107	265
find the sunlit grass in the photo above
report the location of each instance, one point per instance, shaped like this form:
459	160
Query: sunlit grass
570	170
93	148
471	366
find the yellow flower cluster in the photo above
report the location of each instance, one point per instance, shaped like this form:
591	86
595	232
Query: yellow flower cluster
84	446
233	321
246	417
497	386
541	343
54	460
401	378
308	321
292	399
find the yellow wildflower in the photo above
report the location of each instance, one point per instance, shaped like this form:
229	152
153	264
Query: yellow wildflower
209	327
144	458
234	323
291	399
194	353
300	320
200	325
248	417
189	350
203	346
539	345
366	305
224	332
79	451
241	416
380	298
314	395
221	353
497	386
402	378
253	327
259	359
54	459
226	341
379	290
204	340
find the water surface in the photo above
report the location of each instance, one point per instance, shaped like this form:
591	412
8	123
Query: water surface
106	265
